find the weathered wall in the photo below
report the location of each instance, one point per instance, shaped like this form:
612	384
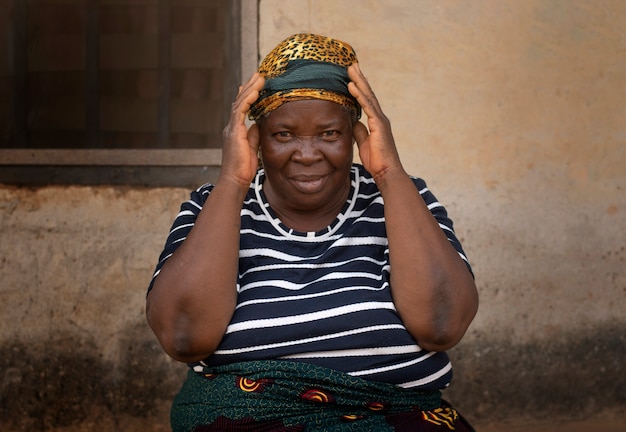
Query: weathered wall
512	111
75	347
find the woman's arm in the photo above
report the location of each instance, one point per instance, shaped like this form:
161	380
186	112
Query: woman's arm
432	288
194	295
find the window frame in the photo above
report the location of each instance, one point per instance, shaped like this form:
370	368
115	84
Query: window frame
17	163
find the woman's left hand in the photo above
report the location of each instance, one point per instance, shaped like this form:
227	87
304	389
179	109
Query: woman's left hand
433	291
377	148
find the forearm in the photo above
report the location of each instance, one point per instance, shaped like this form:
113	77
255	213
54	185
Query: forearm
432	288
194	295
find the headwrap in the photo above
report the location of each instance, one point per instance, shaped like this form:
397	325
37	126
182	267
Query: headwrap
306	66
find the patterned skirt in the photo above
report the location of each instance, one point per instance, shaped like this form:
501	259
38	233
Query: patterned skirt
286	396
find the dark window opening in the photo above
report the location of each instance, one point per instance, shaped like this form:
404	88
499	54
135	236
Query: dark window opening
136	90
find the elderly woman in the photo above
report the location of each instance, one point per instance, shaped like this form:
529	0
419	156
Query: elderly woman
306	292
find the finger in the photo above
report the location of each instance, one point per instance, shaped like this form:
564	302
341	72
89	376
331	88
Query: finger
247	95
253	82
361	90
249	91
358	77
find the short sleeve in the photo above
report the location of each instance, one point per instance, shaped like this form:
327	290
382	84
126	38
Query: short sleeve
183	223
441	215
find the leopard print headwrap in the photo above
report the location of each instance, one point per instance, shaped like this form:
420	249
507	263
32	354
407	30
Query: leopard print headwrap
306	66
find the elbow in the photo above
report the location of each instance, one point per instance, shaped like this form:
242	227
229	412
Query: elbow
444	331
437	334
182	347
177	338
440	341
450	321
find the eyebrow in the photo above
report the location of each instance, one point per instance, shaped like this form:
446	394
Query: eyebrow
331	124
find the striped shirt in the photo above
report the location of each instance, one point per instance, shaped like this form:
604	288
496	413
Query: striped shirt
321	297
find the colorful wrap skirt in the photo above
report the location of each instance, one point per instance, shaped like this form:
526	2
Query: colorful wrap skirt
286	396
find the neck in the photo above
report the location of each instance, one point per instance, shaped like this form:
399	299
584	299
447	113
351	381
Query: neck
306	219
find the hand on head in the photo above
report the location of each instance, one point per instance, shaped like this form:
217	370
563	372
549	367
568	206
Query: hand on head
241	144
337	77
377	148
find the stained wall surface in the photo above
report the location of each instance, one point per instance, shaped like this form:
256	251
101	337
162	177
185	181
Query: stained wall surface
514	113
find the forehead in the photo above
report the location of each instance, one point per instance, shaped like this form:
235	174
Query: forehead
308	111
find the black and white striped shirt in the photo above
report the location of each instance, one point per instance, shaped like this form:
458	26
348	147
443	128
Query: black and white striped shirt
321	297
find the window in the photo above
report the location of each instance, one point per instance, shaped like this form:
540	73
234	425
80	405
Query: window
118	92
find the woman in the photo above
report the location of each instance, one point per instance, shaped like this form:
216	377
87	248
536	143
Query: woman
299	300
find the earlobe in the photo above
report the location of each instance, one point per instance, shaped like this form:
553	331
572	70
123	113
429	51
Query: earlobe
359	132
253	135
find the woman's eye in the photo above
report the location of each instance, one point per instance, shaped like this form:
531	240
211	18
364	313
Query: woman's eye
283	136
330	135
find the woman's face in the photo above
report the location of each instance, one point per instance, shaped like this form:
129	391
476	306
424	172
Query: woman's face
307	150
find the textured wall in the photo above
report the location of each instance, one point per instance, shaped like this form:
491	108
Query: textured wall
515	114
75	348
512	111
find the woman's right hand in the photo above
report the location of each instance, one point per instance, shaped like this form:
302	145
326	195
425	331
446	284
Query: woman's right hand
195	294
241	145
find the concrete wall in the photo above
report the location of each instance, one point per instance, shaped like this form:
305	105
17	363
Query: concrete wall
75	347
514	114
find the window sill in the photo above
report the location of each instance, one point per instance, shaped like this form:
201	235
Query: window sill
112	157
187	168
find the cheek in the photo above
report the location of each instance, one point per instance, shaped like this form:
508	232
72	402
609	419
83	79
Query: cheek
273	155
342	153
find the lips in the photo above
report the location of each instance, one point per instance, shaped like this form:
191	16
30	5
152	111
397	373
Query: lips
309	183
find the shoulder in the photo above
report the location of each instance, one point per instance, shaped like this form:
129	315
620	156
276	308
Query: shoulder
419	183
201	194
362	177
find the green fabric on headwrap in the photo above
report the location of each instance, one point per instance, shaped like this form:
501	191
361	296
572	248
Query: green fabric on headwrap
329	79
306	66
309	74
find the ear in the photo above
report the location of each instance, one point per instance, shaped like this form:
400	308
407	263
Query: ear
254	136
359	132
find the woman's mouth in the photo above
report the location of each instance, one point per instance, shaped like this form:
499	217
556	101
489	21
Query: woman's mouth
309	184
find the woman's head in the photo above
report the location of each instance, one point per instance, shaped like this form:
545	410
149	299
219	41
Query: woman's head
305	116
306	66
307	151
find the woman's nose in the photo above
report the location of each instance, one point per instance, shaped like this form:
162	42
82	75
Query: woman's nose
307	147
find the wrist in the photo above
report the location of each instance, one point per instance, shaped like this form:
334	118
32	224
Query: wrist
233	185
389	177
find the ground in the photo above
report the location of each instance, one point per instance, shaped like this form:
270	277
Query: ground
609	425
